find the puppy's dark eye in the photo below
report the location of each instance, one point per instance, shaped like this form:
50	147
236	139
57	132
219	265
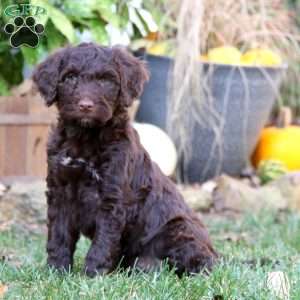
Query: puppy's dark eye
102	79
70	77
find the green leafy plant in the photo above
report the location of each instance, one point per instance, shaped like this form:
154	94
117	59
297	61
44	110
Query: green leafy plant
269	170
70	22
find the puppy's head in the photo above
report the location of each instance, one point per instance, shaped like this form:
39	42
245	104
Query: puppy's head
90	83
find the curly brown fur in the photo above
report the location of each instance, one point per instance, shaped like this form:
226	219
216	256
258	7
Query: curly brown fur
101	181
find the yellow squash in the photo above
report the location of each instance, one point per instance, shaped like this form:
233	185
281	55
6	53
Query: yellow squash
261	57
203	58
162	48
224	55
282	144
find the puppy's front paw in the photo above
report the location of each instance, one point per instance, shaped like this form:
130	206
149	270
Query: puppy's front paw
61	265
92	272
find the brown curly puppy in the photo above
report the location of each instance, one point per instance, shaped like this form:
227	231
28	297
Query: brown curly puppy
101	181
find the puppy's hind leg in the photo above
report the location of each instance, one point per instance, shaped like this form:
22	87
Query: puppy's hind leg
185	245
190	257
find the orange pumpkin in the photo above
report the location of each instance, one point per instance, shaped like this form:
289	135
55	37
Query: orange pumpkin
153	36
281	144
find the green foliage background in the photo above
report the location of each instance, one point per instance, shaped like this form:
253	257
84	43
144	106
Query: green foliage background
63	21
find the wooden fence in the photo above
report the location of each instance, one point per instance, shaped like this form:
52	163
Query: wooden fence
24	126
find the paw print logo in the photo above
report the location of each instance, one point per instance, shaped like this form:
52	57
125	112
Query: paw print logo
24	32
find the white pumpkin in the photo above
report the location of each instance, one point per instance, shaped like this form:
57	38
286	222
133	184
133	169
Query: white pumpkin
159	146
279	284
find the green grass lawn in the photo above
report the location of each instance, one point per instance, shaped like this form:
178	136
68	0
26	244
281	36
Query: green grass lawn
251	247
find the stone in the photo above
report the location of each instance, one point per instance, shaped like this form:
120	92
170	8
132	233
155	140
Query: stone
233	194
24	203
289	186
199	198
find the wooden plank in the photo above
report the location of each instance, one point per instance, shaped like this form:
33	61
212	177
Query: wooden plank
36	162
2	150
17	105
23	119
3	100
15	150
37	104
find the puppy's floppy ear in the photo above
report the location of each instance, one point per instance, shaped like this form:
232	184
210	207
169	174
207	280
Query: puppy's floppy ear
133	74
46	77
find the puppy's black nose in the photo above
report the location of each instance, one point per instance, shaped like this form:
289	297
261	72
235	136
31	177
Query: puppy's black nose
86	105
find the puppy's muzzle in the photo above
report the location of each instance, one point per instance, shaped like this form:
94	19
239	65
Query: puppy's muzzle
86	105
